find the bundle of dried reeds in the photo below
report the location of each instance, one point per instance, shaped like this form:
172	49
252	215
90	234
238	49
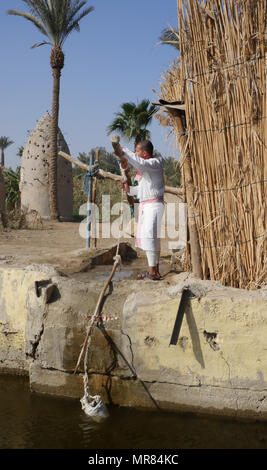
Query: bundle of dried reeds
222	79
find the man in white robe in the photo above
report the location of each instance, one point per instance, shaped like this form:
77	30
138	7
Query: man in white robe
150	192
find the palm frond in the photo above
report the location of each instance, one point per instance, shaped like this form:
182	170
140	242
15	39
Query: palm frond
128	108
75	23
42	11
5	142
56	19
133	119
170	36
30	17
38	44
118	125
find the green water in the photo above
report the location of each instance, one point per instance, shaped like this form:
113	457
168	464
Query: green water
30	421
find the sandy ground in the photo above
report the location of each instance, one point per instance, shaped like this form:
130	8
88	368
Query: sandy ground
58	244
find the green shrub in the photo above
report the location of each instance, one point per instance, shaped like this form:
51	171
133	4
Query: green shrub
12	178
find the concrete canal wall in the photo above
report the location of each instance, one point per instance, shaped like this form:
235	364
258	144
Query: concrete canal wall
219	364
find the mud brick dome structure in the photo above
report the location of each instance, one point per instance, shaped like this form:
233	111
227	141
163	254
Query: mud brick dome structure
34	182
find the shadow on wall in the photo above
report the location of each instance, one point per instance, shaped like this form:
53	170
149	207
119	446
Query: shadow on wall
194	335
185	308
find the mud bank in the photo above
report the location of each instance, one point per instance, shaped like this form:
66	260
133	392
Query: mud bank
218	365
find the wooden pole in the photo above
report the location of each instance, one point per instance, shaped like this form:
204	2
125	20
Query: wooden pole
195	252
89	207
112	176
115	141
94	238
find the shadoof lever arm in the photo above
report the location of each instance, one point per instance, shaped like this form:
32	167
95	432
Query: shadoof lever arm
125	172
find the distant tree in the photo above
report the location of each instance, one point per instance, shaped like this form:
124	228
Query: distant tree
132	121
55	19
12	178
171	168
107	161
20	151
172	171
4	143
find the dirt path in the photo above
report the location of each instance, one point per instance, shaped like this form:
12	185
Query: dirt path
58	244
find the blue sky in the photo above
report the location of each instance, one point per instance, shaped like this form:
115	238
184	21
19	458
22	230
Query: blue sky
115	58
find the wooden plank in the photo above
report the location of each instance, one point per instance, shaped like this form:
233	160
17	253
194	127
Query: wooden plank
112	176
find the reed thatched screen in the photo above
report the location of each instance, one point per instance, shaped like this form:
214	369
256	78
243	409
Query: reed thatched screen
222	80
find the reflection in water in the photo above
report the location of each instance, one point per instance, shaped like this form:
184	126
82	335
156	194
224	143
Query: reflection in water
30	421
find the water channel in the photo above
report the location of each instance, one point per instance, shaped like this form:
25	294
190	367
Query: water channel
32	421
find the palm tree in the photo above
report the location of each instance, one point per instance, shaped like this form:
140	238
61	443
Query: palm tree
12	178
133	120
55	19
4	143
20	151
170	36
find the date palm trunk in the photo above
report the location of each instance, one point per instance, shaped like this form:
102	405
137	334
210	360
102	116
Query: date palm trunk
3	217
54	147
57	63
2	158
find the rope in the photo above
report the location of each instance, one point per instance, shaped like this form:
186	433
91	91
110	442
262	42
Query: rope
236	243
219	69
94	405
92	172
121	212
220	129
231	189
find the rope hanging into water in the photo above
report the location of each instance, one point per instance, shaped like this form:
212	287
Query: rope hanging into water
94	406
